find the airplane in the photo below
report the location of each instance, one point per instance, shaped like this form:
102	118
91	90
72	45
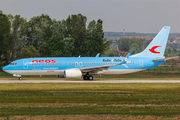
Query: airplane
76	67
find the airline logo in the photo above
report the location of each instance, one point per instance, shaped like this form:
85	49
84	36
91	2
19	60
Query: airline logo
153	49
44	61
112	60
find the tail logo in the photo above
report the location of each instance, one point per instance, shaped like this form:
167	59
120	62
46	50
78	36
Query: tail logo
153	49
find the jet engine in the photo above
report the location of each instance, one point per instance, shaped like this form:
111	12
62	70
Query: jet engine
60	76
72	73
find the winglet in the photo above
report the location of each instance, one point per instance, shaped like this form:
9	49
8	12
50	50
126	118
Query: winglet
127	56
125	59
98	55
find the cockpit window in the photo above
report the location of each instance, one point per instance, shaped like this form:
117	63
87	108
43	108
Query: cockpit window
13	63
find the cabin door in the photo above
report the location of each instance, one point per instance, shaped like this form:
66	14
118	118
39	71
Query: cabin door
78	64
25	64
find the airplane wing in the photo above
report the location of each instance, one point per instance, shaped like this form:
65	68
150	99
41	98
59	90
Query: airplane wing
158	60
105	67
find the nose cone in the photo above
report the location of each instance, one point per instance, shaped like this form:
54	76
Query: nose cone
5	68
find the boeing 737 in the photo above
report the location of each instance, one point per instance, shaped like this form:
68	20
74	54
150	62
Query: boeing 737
76	67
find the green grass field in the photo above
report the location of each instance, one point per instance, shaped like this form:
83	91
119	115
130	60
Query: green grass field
90	101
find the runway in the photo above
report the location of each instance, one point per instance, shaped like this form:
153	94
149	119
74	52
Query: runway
94	81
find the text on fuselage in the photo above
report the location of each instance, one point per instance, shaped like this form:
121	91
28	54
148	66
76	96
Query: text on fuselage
44	61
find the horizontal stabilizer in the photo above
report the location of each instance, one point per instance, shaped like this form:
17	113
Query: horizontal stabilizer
158	60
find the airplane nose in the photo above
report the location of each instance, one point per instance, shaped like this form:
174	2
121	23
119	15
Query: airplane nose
5	68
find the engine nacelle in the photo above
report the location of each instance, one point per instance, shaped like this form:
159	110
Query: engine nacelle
60	76
72	73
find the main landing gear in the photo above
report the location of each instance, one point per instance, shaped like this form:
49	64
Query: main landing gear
88	77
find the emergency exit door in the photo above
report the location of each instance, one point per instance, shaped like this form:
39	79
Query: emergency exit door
141	63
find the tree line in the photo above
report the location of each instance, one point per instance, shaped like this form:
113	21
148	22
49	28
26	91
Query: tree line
42	36
136	45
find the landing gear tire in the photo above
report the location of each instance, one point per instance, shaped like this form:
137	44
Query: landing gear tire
85	77
20	78
90	78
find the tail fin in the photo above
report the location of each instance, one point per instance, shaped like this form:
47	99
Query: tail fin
157	46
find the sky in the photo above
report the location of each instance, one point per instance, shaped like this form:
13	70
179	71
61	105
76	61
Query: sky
141	16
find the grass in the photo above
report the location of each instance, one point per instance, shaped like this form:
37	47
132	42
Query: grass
90	101
164	70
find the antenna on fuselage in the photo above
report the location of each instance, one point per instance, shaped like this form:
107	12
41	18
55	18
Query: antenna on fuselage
98	55
79	56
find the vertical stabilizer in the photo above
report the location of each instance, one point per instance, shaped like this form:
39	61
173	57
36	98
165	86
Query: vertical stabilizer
157	46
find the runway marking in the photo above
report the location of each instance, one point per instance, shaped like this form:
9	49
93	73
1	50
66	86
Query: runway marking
94	81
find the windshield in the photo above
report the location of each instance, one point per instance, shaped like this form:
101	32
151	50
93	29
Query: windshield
13	63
